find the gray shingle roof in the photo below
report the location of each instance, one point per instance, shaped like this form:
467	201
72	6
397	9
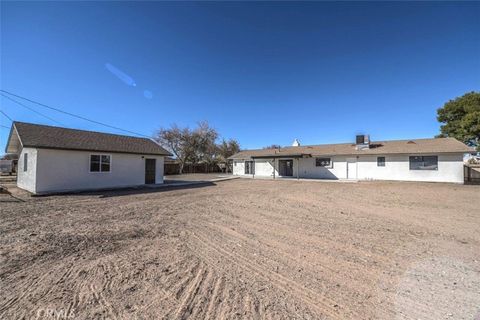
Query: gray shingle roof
414	146
42	136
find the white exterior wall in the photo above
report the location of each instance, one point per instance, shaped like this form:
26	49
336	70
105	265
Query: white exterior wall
264	168
27	179
397	167
238	168
66	170
337	170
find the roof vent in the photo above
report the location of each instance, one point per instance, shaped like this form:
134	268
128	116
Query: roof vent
296	143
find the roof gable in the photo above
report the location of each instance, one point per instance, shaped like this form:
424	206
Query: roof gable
49	137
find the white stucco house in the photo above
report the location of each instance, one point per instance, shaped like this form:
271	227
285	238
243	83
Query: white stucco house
55	159
434	160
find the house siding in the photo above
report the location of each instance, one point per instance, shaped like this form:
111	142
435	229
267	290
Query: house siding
238	168
450	169
27	179
338	169
397	167
67	170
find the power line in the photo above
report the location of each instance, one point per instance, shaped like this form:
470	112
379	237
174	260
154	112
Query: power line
75	115
6	115
2	126
31	109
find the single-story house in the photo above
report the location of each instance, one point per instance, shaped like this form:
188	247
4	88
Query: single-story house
55	159
436	160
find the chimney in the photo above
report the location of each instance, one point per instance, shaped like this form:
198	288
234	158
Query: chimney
296	143
362	142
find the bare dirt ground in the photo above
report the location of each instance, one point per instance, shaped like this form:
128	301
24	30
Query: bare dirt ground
245	249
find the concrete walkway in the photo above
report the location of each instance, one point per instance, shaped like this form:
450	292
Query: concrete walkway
195	178
300	179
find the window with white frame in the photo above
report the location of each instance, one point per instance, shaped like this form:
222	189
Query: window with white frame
100	163
323	162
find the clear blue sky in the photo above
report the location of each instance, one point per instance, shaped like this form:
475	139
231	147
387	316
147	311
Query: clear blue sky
263	72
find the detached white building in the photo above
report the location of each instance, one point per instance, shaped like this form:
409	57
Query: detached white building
436	160
55	159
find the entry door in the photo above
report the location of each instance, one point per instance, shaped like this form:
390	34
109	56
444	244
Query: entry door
286	168
352	168
150	165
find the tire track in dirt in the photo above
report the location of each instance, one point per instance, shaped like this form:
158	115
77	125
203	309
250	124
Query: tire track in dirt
352	284
220	299
99	297
269	239
217	292
26	288
179	288
200	300
231	236
303	294
274	225
185	306
273	216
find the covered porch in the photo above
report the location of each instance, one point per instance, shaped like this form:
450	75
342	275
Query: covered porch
276	166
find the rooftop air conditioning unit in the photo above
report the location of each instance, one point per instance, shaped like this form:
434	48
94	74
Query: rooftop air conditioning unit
362	141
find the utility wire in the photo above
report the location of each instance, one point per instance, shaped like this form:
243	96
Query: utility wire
31	109
6	115
2	126
75	115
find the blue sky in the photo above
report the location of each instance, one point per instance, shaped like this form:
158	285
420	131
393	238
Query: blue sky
262	73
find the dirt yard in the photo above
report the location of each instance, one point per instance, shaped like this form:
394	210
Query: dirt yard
245	249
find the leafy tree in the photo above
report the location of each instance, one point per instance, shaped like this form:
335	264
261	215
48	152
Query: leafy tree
226	149
204	138
461	119
178	141
197	145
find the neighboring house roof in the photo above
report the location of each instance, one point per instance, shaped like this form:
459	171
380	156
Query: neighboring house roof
415	146
49	137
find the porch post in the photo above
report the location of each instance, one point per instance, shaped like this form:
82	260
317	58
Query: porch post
298	166
253	169
273	168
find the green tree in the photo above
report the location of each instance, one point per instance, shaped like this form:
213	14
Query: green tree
461	119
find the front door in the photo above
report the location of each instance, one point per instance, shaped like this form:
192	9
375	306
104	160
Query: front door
150	165
285	168
352	168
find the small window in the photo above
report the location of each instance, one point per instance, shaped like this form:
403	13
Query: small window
25	161
249	167
380	161
323	162
423	163
99	163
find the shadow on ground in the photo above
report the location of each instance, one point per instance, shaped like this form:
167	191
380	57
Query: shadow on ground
146	190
